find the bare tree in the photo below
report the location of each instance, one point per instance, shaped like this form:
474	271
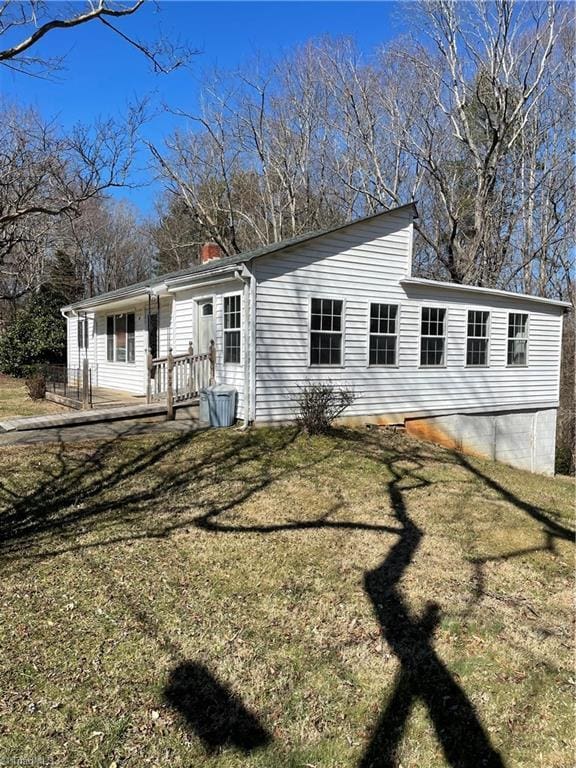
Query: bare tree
107	246
251	166
473	117
26	22
47	175
489	70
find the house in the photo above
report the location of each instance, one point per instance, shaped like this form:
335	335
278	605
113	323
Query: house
469	367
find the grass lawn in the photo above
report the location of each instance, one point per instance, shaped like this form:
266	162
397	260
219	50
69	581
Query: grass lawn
14	400
265	599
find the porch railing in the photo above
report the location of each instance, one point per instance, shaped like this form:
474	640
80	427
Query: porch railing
178	378
71	383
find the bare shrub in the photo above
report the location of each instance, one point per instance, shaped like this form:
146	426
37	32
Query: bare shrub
319	404
36	386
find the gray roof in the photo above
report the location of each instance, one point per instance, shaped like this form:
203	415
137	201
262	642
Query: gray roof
229	261
438	284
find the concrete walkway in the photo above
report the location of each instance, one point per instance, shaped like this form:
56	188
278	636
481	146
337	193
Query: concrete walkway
103	430
79	418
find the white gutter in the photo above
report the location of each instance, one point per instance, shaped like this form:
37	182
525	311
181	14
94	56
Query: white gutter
189	286
253	288
90	304
247	279
159	290
188	281
425	283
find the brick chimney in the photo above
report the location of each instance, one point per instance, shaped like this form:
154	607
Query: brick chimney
210	251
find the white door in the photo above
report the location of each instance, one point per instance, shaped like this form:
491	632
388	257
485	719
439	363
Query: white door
206	330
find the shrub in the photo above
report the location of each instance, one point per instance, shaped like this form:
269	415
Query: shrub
35	336
36	386
320	404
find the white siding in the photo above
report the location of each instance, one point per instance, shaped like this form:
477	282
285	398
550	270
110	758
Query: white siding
185	317
365	263
126	377
176	330
75	354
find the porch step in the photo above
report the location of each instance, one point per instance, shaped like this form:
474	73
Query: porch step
82	417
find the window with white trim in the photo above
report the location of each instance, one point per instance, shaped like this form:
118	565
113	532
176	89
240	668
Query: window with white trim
326	331
383	342
517	338
433	337
232	329
477	338
120	338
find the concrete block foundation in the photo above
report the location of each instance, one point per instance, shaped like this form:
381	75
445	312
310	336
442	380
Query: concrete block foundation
522	439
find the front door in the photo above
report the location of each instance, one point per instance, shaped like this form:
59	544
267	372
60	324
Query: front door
205	325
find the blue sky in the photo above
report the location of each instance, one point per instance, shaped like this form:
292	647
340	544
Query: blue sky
103	74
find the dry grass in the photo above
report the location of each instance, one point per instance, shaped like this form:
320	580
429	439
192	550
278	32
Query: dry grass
297	573
14	400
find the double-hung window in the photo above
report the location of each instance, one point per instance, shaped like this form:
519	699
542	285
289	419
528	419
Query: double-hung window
232	329
477	338
433	337
383	340
517	338
120	338
326	332
82	333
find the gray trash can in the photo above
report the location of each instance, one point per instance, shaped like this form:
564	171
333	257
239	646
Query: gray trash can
218	405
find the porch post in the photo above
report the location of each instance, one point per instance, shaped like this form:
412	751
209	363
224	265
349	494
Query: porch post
85	384
170	386
190	369
212	356
148	376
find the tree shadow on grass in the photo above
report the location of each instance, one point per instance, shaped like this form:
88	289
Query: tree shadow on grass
206	707
423	676
550	525
121	495
212	711
99	491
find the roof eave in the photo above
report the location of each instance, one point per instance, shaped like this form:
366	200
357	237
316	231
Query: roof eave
426	283
203	277
98	301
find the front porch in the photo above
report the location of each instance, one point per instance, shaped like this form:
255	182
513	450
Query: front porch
171	380
99	398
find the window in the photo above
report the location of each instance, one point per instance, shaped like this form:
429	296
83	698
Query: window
82	333
120	334
232	325
326	332
120	338
131	348
383	334
110	338
517	338
432	336
477	340
153	334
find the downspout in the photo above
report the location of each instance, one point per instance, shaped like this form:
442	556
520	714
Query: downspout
253	288
95	347
248	280
73	313
78	340
159	329
148	348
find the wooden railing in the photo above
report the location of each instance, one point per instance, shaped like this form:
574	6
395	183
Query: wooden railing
178	378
